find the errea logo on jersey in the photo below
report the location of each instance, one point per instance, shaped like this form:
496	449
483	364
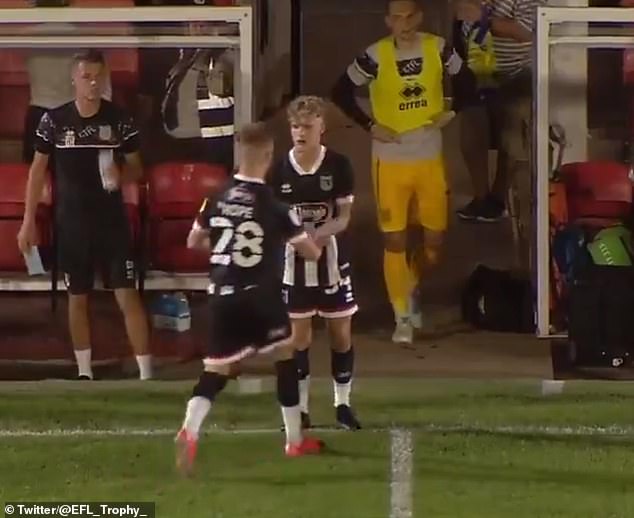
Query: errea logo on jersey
286	188
412	93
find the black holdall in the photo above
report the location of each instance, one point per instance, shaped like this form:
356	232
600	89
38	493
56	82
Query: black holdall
496	300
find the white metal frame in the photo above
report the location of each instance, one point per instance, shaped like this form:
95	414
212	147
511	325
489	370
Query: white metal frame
244	43
243	73
544	40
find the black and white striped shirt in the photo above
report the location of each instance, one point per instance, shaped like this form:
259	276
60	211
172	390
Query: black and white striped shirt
215	114
316	195
513	56
189	109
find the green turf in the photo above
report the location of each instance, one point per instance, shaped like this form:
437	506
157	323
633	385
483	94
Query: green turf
482	449
381	403
235	477
523	476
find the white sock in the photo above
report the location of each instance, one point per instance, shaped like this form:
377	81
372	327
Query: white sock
145	366
292	424
342	393
304	390
197	409
84	366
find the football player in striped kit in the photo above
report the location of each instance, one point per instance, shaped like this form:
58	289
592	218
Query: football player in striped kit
319	183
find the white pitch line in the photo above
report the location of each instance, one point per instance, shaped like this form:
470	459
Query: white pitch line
613	430
402	461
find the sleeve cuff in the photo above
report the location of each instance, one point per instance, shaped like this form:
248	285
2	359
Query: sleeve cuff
344	200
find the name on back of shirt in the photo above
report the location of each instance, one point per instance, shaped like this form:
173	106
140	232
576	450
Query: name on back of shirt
235	210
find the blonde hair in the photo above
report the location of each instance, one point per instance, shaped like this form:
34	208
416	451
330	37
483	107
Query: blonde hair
306	105
254	135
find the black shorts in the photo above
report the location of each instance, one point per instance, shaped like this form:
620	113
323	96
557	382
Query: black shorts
89	250
328	302
245	323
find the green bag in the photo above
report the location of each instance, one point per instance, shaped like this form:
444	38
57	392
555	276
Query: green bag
612	246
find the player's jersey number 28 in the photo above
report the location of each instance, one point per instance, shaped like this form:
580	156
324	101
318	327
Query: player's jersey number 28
240	245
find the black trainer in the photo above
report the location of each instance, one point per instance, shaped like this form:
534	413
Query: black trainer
346	418
492	210
471	210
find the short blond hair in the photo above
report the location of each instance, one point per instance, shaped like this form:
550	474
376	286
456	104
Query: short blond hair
254	135
306	105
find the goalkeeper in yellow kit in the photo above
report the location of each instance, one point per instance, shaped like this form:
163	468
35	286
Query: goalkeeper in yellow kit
404	73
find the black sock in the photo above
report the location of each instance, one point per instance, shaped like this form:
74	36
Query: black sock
209	385
287	383
303	364
342	365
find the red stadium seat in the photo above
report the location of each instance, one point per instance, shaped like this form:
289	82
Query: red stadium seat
13	179
124	72
597	190
176	191
14	93
13	71
124	67
14	103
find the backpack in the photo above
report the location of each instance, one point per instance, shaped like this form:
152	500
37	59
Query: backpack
496	300
612	246
179	107
569	251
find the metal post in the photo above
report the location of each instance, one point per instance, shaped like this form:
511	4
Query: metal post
541	171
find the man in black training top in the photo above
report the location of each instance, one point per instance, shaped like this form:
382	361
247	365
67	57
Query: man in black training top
245	228
96	151
319	183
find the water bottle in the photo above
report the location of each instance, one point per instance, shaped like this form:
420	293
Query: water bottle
106	162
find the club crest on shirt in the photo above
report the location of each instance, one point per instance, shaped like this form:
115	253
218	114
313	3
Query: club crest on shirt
105	133
325	182
69	138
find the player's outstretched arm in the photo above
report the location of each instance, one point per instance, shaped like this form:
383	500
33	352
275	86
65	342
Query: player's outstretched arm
198	238
27	235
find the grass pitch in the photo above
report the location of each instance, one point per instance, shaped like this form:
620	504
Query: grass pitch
481	449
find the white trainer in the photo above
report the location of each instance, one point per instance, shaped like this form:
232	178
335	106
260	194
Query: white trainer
403	332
